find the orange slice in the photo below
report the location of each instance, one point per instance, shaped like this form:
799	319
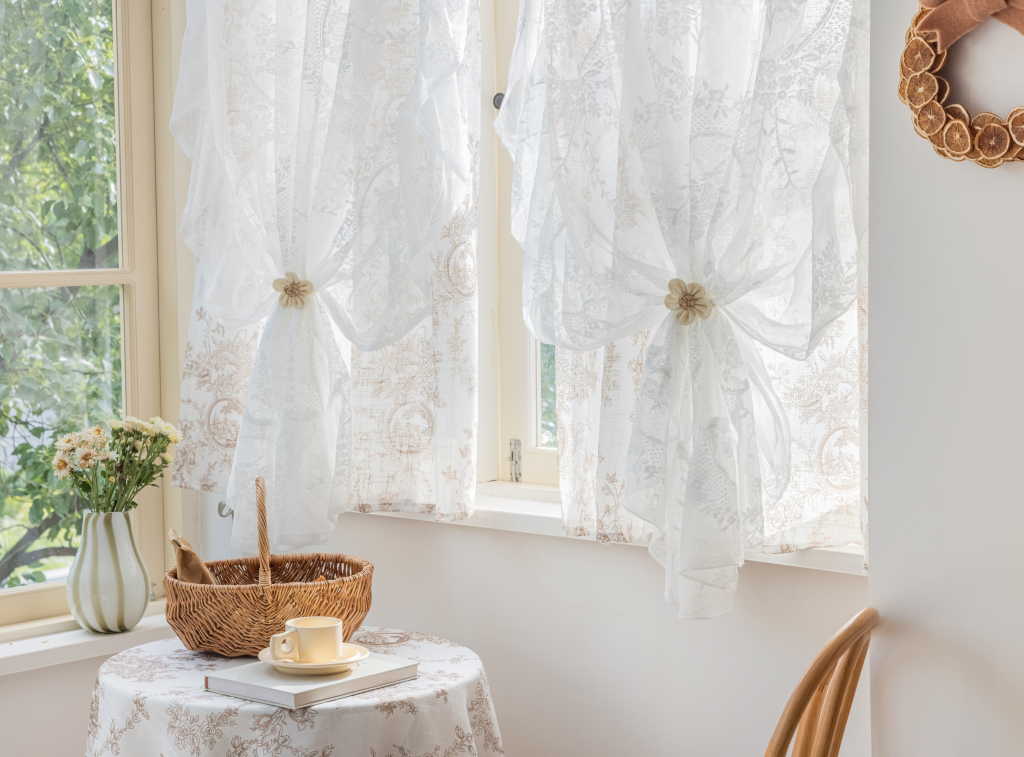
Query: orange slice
918	55
940	61
982	120
931	118
943	92
921	88
902	91
957	138
1016	124
959	113
993	141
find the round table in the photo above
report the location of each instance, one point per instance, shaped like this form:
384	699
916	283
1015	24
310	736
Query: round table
149	701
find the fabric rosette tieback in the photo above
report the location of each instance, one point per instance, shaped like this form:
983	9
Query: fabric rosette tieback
952	19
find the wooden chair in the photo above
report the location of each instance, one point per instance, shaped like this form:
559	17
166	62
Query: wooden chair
820	705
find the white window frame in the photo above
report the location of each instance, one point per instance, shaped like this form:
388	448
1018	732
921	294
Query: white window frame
150	303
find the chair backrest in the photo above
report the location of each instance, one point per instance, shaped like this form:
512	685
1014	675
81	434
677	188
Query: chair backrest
820	705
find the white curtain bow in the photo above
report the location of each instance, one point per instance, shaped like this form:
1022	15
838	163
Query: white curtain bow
328	147
719	143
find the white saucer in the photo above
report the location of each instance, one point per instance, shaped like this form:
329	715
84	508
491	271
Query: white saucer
353	653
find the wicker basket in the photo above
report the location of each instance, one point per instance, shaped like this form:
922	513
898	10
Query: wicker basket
254	596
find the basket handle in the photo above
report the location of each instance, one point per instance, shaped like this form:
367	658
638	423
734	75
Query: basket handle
261	525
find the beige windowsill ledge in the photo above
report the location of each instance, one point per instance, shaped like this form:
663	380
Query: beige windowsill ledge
535	509
55	641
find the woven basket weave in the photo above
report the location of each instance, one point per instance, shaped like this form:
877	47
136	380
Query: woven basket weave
254	596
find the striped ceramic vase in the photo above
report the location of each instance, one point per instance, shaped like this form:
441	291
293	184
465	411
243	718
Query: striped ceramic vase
108	586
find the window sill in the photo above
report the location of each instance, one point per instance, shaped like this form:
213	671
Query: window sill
524	508
535	509
56	641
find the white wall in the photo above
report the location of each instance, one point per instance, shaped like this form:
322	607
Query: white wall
583	654
45	712
947	359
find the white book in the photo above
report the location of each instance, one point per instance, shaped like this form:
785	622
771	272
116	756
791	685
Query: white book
264	683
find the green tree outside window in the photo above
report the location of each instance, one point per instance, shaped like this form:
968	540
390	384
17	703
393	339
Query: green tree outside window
60	348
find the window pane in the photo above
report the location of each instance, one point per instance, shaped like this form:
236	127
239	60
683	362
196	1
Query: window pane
58	176
548	436
60	370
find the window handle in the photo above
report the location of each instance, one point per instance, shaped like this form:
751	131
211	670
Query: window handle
515	459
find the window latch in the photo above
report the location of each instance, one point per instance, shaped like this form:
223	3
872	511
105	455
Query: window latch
515	460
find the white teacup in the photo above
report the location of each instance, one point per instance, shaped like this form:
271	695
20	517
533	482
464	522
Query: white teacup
309	640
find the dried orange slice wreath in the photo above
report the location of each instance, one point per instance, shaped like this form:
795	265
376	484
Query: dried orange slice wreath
986	139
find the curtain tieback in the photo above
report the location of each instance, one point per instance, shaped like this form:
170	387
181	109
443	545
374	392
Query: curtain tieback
294	291
690	302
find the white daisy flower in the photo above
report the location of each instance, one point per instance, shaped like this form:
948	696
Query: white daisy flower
61	466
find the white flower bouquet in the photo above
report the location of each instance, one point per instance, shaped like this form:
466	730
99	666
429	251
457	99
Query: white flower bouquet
109	473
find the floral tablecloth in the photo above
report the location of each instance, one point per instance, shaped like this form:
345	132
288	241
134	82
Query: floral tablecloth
149	701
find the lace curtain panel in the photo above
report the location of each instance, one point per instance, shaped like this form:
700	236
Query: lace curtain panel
708	156
825	398
332	211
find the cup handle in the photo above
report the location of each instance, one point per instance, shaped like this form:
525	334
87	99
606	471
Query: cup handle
285	646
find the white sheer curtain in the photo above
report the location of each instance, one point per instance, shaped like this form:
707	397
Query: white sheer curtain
332	142
720	142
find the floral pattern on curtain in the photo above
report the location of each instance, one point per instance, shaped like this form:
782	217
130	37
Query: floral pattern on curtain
334	143
214	385
414	403
825	398
716	142
597	393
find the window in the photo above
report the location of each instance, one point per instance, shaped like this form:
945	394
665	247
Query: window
525	381
79	337
545	425
527	393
